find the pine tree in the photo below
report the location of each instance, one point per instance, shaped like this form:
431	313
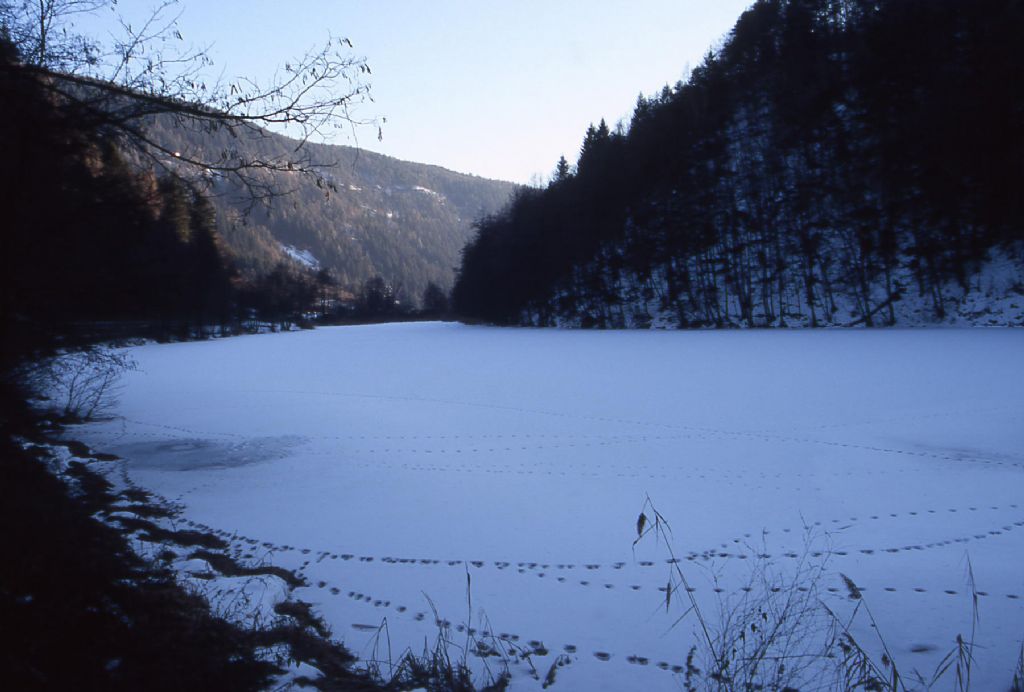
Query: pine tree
562	171
435	300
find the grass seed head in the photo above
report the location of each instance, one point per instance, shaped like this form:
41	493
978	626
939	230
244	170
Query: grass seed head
851	588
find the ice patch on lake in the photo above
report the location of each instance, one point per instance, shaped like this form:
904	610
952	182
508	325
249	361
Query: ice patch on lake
194	454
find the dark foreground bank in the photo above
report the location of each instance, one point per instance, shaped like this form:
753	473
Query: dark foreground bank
81	611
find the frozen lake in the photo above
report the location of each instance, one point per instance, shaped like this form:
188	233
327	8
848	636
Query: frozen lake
387	461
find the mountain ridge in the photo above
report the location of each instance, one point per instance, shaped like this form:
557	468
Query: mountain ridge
370	214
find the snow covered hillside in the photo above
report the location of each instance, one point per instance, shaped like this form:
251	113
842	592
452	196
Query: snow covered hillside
992	297
389	462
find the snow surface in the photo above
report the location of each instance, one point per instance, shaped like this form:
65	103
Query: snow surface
303	257
388	462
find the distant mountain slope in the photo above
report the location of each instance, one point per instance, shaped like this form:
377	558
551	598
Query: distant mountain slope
403	221
834	162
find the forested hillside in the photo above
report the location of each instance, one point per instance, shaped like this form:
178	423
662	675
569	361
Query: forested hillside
373	216
832	162
86	238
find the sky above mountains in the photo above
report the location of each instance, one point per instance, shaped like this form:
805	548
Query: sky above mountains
497	89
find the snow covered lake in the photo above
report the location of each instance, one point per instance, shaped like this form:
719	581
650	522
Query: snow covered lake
386	462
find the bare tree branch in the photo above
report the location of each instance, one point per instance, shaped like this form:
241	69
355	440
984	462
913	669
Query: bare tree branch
148	72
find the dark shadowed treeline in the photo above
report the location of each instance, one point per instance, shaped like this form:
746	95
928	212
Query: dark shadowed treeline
88	240
831	159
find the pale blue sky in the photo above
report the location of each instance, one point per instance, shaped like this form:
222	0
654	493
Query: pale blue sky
498	89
